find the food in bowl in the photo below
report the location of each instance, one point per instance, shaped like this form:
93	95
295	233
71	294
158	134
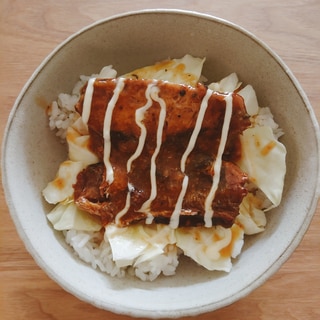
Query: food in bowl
161	164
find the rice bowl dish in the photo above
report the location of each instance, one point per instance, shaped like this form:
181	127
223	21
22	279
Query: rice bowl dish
144	249
32	154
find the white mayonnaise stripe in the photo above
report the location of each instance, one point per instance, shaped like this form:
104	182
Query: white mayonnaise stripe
124	210
86	108
142	138
139	121
196	130
107	128
218	162
146	206
174	220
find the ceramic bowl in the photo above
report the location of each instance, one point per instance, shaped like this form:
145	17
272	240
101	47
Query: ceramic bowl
31	155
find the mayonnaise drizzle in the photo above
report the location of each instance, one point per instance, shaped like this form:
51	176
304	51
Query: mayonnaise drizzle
152	93
218	162
86	109
139	121
142	138
107	128
126	206
174	220
146	205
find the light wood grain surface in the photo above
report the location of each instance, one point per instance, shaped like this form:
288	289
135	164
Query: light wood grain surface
29	30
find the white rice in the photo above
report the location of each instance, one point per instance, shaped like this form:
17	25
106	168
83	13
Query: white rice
62	112
265	118
91	248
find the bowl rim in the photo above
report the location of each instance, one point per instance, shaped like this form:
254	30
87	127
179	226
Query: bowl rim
194	310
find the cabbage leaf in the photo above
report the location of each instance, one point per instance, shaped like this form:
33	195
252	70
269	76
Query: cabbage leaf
211	247
61	189
263	159
186	70
69	216
138	243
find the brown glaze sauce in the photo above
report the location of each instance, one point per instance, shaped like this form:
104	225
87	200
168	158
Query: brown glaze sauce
95	195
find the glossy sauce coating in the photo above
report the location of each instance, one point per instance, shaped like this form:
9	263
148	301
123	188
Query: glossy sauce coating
163	143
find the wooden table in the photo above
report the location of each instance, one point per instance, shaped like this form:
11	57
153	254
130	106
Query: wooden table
29	30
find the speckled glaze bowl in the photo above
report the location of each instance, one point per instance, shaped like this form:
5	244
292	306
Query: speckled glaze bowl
31	155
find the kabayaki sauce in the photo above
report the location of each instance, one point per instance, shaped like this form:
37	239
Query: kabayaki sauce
167	153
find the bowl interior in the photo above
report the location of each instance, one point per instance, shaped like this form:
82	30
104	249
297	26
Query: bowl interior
32	154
